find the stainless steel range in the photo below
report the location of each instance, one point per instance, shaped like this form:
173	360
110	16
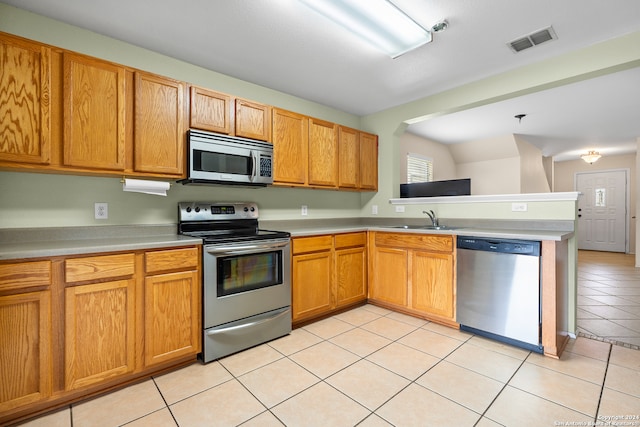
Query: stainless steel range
246	276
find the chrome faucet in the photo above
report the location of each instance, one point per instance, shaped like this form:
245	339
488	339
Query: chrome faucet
432	216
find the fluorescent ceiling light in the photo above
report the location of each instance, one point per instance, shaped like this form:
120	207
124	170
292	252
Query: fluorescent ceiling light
378	22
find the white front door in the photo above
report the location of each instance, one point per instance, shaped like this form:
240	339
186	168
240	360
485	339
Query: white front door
602	210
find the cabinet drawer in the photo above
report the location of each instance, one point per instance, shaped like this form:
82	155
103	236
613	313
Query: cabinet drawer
311	244
349	240
99	267
429	242
173	259
25	274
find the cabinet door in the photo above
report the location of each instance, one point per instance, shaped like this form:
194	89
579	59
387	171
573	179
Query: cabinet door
290	145
368	161
25	352
349	157
25	117
323	153
94	113
159	132
99	332
253	120
432	283
351	275
172	316
389	282
210	110
312	275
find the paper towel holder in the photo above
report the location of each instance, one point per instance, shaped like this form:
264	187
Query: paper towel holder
124	177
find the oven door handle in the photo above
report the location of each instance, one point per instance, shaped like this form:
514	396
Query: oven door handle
249	324
246	249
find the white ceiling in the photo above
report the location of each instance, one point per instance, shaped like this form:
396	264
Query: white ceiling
284	45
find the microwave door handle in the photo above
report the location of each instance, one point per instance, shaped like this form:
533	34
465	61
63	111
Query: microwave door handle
254	166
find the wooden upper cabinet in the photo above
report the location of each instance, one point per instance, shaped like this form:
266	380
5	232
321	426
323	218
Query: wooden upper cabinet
25	104
253	120
159	131
349	157
368	161
323	153
210	110
290	145
94	113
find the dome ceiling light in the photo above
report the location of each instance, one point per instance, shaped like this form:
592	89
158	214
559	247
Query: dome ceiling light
591	156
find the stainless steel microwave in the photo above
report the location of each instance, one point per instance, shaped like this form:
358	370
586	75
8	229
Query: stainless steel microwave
222	159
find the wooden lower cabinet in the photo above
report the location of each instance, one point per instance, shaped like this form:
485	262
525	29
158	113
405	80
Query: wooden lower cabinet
389	276
432	283
172	311
312	276
328	272
25	352
25	334
99	332
351	275
414	273
74	326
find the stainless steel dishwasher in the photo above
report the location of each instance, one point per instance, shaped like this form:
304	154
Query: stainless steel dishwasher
498	290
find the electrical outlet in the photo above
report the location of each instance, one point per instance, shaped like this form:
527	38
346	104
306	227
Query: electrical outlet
374	209
101	210
518	207
399	208
304	210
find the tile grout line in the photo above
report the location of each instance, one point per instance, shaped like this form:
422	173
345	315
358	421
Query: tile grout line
500	392
604	379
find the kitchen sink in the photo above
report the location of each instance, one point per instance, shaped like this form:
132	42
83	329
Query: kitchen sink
425	227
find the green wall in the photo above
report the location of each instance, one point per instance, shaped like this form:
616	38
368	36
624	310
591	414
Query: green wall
28	200
45	200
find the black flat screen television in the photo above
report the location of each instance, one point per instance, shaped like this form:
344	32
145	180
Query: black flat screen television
452	187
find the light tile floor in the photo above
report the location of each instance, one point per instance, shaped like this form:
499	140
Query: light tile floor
609	297
373	367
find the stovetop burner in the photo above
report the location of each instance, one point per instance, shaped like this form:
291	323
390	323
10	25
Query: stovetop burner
218	223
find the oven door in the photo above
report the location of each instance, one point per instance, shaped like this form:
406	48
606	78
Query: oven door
244	280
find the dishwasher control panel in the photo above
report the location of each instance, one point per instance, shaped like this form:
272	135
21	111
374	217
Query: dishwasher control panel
508	246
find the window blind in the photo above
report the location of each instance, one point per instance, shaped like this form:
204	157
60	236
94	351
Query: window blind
419	168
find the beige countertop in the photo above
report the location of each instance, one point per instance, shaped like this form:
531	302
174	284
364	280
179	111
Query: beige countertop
59	241
49	248
48	242
458	231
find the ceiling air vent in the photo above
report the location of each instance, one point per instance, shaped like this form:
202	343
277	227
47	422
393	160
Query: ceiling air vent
533	39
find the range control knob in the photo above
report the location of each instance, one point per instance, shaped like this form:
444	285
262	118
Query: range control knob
188	209
197	209
246	209
253	209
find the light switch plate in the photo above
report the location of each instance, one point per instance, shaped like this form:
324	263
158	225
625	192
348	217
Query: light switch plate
304	210
374	210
